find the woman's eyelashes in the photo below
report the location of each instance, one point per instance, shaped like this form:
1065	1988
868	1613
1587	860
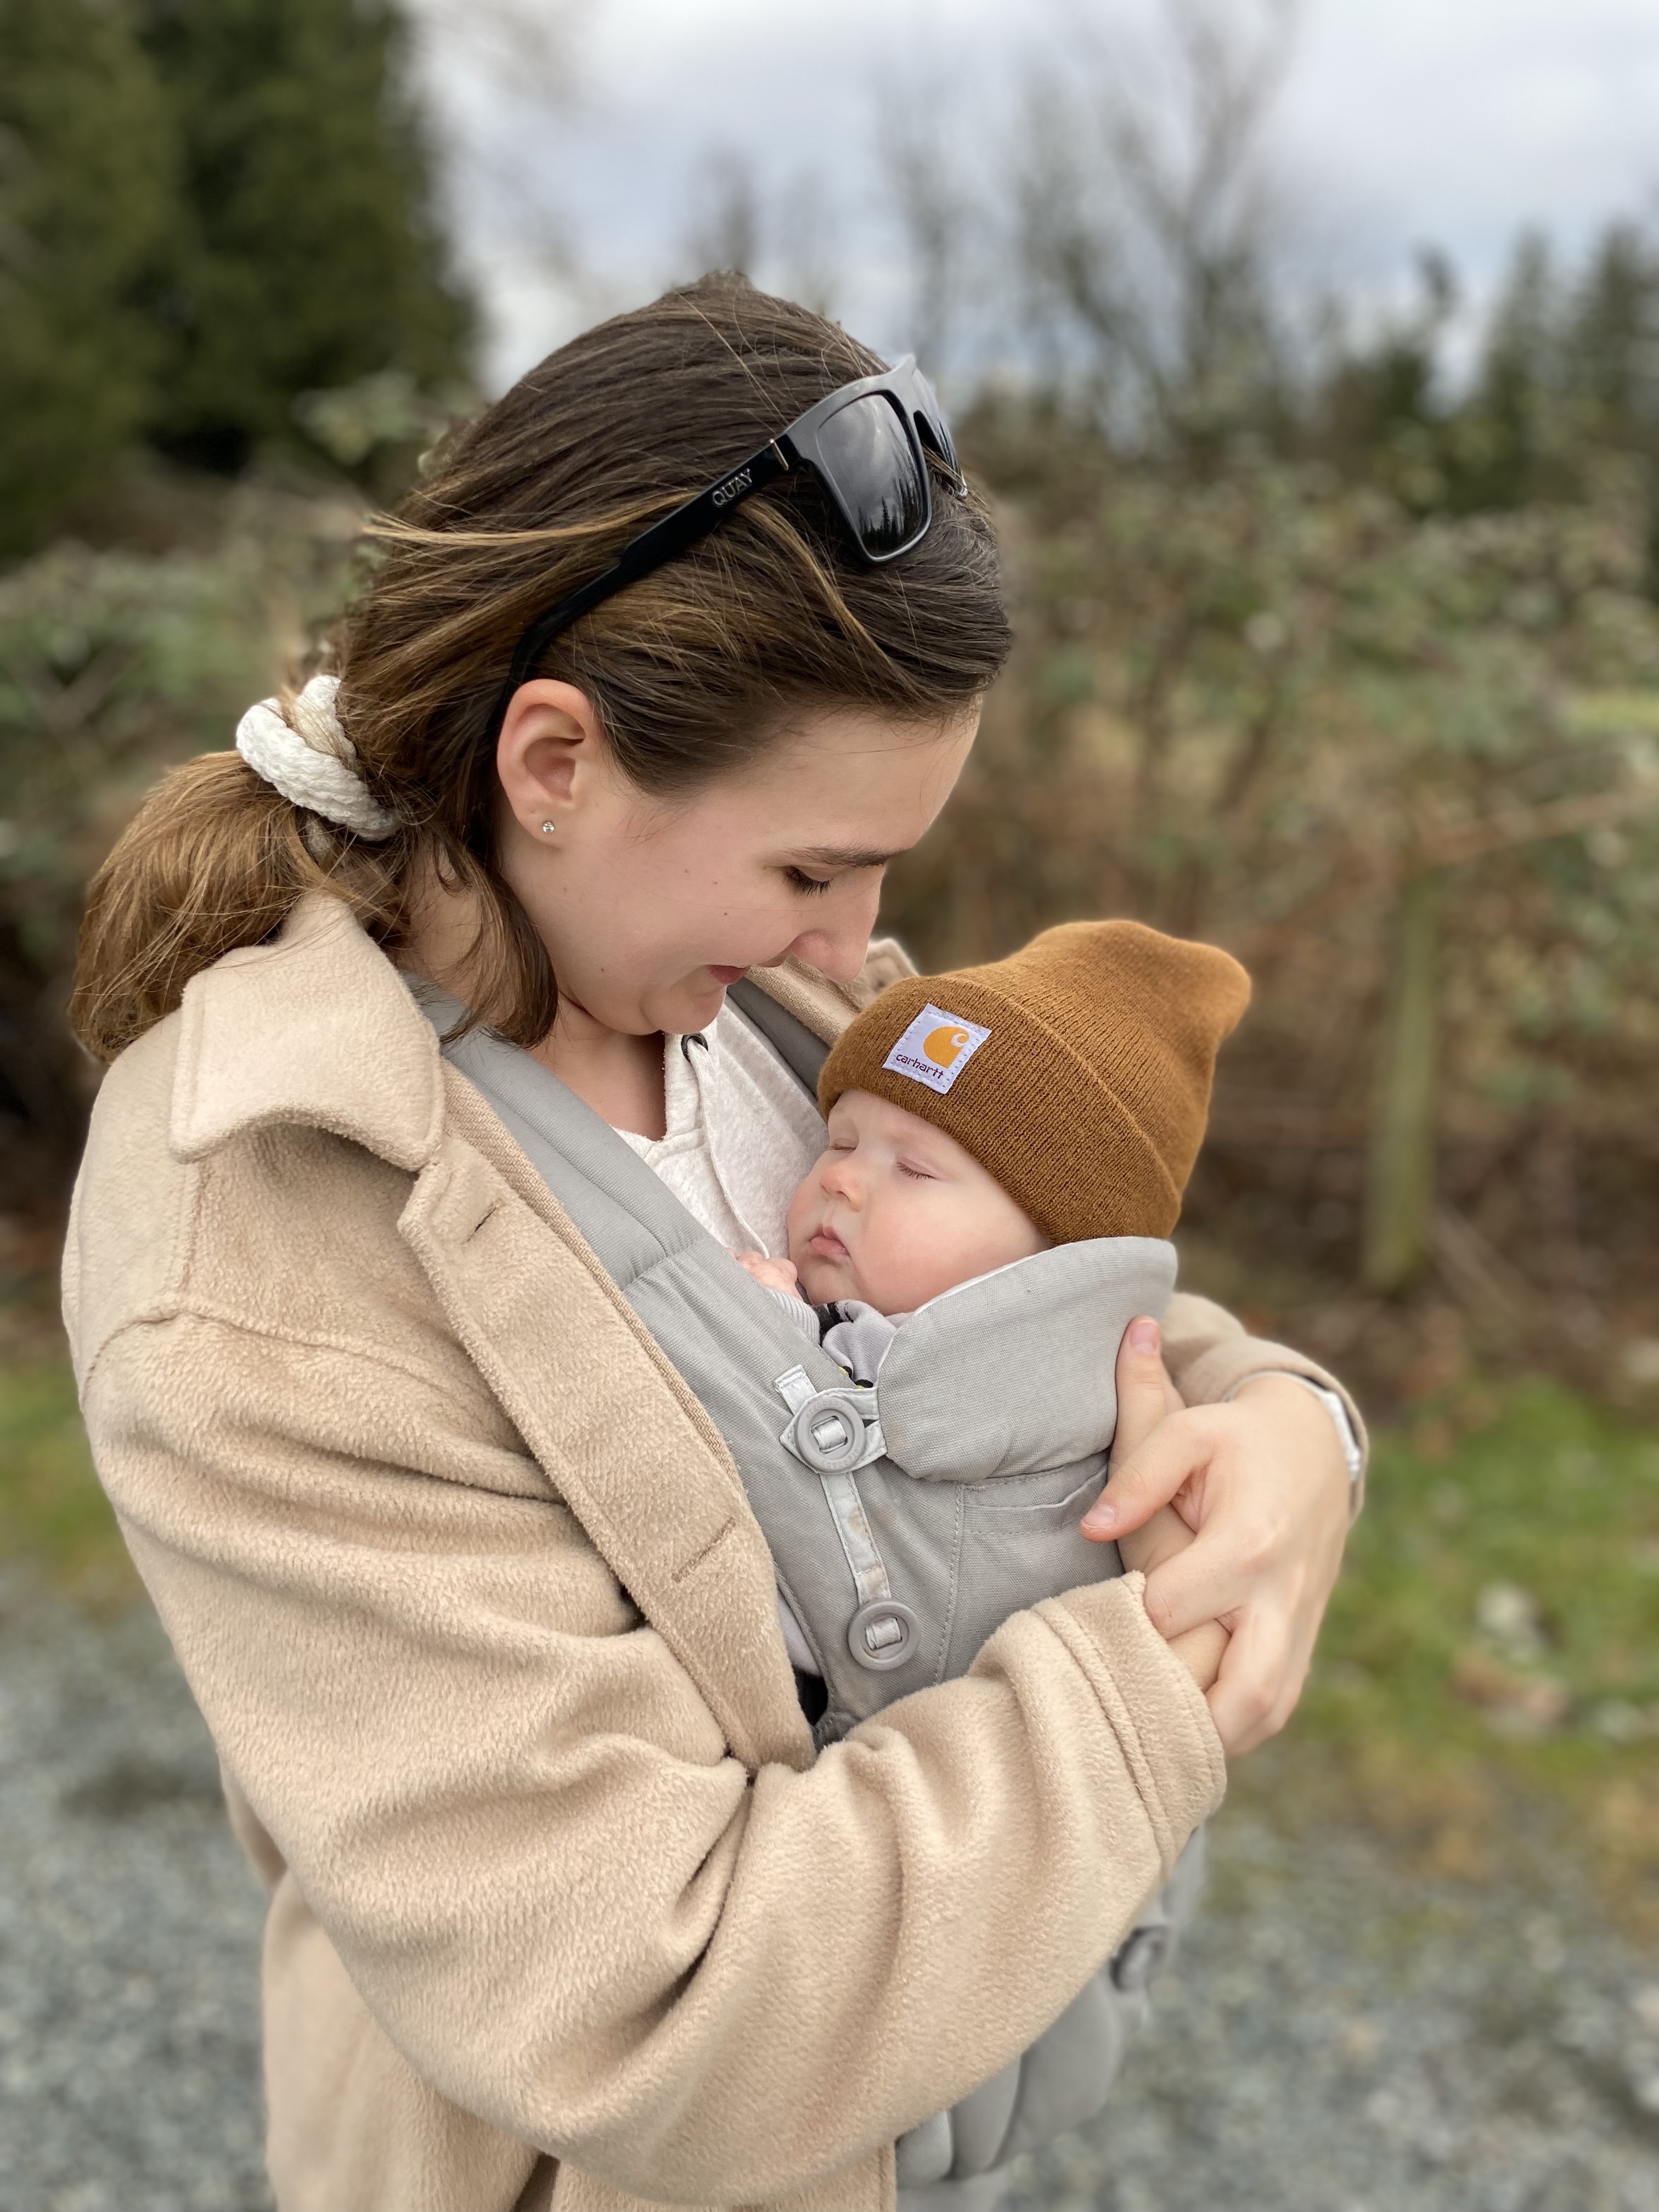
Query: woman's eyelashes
800	880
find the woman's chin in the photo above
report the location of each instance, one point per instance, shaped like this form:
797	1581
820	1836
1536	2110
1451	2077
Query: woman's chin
688	1008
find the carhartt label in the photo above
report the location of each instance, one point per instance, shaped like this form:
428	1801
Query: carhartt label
936	1047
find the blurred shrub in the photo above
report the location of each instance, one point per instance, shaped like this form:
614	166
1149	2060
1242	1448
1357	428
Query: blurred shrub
111	665
1408	767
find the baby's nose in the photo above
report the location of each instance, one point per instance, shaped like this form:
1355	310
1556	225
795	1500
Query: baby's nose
841	1178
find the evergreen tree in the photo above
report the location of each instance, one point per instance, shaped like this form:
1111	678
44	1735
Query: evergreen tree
87	199
1612	344
1502	440
310	255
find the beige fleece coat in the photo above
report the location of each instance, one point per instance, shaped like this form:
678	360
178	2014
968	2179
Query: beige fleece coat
564	1911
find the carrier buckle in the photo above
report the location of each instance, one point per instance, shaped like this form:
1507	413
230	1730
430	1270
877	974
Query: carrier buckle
833	1431
882	1635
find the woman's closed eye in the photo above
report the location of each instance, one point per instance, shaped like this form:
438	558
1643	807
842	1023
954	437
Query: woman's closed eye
800	880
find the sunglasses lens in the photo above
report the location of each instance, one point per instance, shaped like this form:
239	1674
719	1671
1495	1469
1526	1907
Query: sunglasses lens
869	460
929	417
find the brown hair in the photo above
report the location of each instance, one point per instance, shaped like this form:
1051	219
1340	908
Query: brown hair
694	670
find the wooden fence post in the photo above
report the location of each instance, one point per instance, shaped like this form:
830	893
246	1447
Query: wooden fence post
1401	1167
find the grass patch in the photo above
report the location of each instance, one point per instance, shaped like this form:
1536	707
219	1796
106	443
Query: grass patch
1487	1685
53	1514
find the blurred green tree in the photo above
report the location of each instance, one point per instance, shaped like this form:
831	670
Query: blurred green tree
1566	377
207	209
87	202
309	254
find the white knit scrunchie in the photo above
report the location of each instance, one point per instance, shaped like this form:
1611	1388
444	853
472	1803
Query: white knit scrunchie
311	760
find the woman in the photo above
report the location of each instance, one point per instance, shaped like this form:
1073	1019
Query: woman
564	1908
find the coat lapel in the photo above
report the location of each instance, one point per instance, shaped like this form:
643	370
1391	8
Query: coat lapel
625	1441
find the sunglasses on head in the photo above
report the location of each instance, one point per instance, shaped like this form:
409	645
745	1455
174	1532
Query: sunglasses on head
868	443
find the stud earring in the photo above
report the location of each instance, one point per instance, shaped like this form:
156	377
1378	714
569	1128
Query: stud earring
548	828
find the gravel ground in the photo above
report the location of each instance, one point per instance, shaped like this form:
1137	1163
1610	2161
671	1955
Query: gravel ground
1338	2038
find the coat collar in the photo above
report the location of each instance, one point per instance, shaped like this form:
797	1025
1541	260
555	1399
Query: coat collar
316	1028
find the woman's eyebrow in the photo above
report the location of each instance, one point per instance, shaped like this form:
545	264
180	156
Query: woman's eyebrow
842	856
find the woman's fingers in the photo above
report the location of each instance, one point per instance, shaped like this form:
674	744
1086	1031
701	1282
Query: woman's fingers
1151	1454
1274	1516
1207	1582
1148	1478
1141	1401
1262	1671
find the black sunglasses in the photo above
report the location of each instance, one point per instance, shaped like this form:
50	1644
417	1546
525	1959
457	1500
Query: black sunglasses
868	442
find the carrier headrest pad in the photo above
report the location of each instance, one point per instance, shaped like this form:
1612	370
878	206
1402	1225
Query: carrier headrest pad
1014	1372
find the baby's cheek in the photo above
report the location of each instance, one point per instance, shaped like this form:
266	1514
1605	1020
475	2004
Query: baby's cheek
797	1226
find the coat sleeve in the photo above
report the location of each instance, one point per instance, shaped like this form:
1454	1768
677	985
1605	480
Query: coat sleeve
1209	1354
567	1904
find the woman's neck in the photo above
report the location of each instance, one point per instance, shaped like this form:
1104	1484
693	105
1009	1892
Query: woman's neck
619	1075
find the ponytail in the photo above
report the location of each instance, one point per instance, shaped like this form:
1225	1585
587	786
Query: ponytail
214	859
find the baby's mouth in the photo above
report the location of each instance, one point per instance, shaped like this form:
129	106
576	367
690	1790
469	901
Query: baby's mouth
824	1244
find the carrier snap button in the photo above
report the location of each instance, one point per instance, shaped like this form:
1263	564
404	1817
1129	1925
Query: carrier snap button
1139	1958
882	1635
828	1432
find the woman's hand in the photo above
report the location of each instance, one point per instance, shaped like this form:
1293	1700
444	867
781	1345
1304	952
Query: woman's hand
1164	1537
1263	1483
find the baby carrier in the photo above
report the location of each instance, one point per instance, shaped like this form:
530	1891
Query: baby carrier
905	1521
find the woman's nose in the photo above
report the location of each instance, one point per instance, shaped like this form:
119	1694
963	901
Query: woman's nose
840	945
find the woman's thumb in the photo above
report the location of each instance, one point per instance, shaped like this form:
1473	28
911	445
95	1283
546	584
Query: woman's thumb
1142	1403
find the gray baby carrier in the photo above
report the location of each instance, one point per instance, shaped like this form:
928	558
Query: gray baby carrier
906	1521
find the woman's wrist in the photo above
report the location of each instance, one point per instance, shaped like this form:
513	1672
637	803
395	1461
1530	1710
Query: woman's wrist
1347	1439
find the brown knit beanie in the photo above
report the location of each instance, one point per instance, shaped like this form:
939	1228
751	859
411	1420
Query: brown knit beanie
1077	1071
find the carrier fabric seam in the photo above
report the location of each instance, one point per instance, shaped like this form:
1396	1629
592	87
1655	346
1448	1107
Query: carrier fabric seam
955	1590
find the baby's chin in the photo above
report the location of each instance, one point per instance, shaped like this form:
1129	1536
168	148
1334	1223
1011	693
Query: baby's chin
824	1281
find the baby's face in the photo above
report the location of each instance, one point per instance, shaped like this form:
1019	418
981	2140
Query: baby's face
895	1211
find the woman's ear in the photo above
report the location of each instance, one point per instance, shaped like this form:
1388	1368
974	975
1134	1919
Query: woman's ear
552	745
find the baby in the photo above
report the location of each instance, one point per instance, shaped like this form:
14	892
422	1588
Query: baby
976	1120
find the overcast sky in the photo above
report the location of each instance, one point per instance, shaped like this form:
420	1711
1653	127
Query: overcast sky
1400	123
